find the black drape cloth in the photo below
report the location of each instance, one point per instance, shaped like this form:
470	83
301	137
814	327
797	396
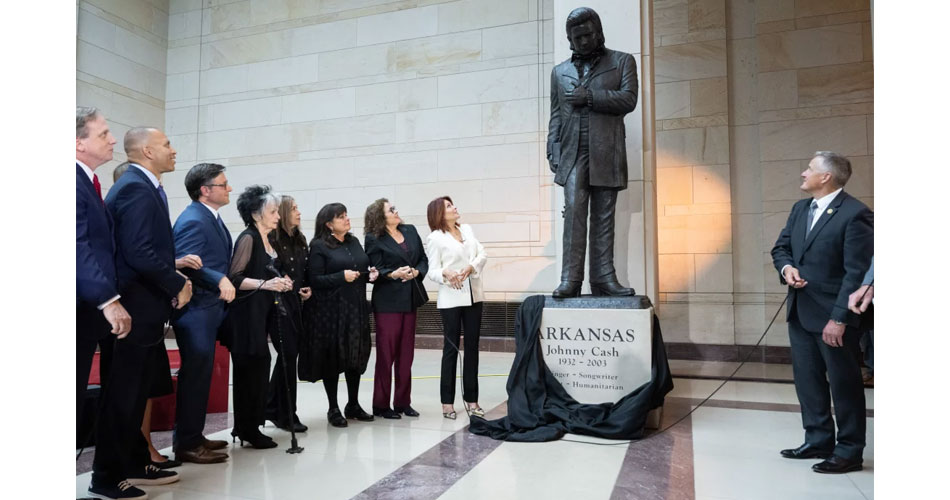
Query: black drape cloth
539	409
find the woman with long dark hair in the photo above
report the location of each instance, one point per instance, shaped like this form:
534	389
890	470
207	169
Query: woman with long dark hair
396	250
252	314
291	247
456	260
337	338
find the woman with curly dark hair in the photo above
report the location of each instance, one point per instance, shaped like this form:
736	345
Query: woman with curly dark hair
291	247
252	313
336	332
396	250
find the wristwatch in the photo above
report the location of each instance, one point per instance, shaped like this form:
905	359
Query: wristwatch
838	322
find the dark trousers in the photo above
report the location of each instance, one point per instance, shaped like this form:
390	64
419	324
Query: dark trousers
120	445
454	321
278	407
822	374
602	202
91	328
249	391
395	343
196	332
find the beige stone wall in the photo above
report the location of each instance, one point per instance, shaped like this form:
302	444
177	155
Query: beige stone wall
120	65
354	100
746	91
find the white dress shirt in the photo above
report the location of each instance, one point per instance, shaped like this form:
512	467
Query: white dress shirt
446	252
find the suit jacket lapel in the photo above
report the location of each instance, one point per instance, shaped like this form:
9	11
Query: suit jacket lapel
394	248
84	180
823	219
223	234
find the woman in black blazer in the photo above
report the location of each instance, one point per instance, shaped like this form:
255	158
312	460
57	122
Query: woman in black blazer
252	314
396	250
336	336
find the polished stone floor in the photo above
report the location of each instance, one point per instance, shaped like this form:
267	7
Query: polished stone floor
727	449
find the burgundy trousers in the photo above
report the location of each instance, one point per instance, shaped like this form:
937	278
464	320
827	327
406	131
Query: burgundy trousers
395	343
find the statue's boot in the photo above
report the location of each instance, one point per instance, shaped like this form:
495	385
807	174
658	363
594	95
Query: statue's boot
611	288
567	289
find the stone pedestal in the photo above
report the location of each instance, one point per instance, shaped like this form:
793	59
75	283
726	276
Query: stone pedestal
599	348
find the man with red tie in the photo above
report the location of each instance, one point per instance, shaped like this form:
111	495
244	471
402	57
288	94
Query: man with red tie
99	311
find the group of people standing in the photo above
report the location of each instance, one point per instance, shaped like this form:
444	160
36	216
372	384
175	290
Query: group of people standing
136	273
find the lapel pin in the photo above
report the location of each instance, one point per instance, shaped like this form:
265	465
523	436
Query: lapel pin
831	211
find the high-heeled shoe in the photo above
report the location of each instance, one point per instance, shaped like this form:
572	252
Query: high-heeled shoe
475	410
255	439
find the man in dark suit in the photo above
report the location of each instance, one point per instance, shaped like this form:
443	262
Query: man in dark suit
590	94
99	312
151	288
199	230
822	255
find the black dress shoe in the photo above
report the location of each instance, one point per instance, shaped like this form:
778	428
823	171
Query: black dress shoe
567	289
357	412
386	413
297	426
407	411
336	418
610	288
837	465
806	451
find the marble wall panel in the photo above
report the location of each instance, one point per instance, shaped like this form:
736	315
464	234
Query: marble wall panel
713	272
414	198
359	61
670	17
698	323
748	249
353	132
227	80
397	25
322	105
178	6
861	184
504	232
778	89
420	93
805	8
781	180
672	100
185	24
145	51
799	139
710	233
467	15
396	168
711	184
440	123
184	59
746	176
692	146
840	84
488	162
773	10
379	98
93	29
741	18
299	176
109	66
677	273
512	117
283	72
323	37
242	114
245	49
432	51
229	16
823	46
743	82
511	41
180	121
514	194
707	14
708	97
674	186
519	274
142	15
750	323
690	61
488	86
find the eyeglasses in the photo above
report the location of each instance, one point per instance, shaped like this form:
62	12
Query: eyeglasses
223	185
393	210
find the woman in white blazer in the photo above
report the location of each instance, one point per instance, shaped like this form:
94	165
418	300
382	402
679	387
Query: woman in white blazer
456	260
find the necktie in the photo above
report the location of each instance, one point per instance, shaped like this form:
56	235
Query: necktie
95	184
161	192
222	229
811	216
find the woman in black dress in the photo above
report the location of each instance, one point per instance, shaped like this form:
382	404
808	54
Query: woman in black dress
291	249
252	313
336	332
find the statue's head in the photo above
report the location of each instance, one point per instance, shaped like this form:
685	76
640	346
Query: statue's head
584	31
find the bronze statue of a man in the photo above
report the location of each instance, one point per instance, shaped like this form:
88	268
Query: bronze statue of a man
590	94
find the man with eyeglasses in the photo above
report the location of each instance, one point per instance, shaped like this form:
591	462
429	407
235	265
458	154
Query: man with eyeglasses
199	230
